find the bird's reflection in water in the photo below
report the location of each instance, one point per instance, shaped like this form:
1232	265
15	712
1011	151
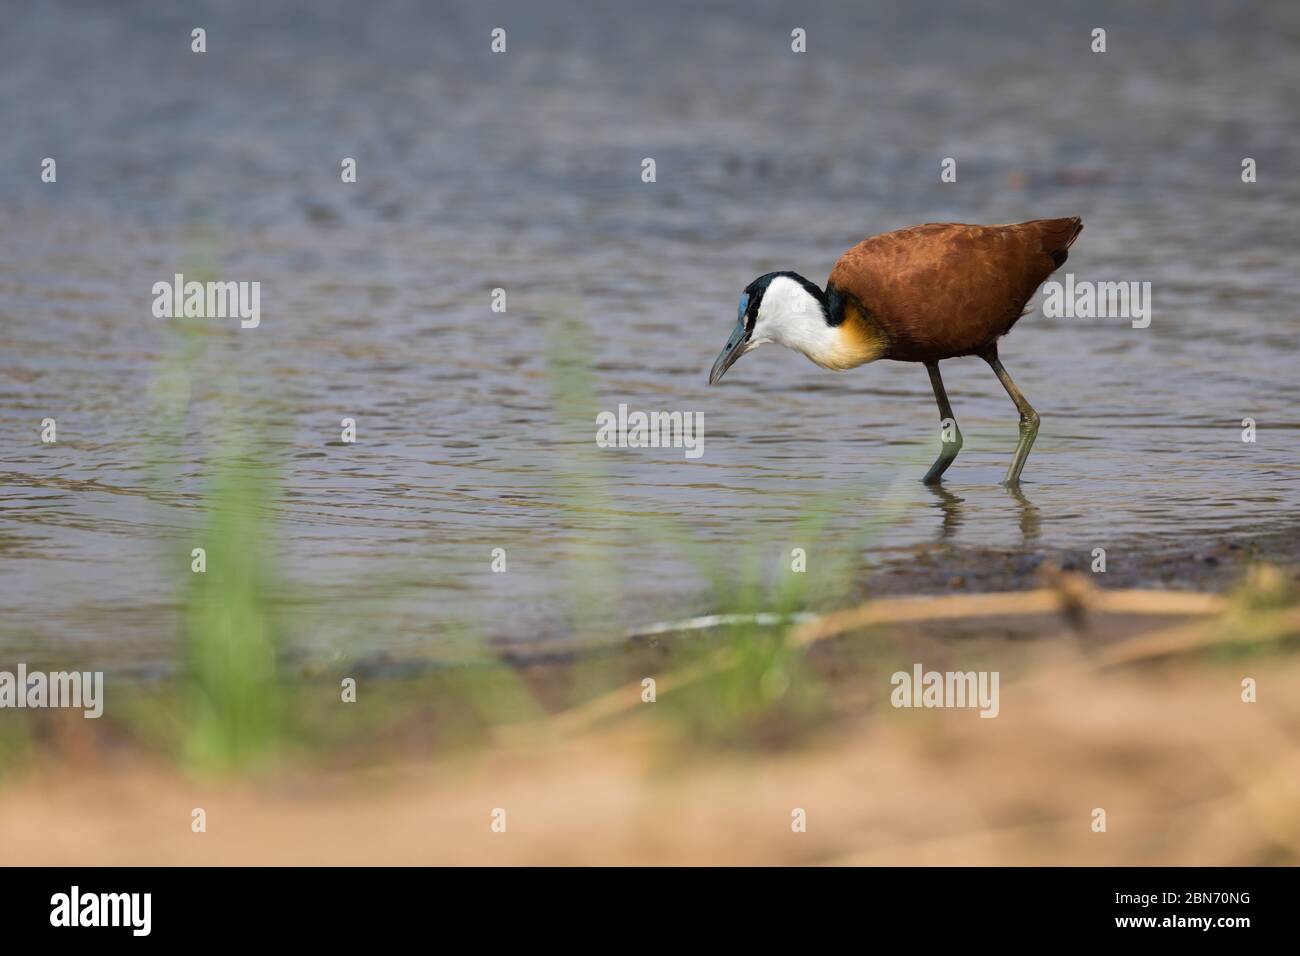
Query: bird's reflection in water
951	506
953	512
1030	518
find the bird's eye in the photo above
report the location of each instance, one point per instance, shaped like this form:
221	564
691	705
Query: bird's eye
744	307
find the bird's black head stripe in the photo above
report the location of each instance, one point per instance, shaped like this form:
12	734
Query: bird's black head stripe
756	289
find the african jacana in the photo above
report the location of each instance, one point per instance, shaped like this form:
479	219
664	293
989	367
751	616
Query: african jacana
921	294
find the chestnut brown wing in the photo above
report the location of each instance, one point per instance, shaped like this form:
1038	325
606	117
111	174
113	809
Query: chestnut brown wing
948	289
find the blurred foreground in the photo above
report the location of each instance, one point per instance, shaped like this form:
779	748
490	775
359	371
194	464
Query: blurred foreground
1140	714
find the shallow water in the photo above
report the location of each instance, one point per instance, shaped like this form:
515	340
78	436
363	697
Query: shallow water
522	171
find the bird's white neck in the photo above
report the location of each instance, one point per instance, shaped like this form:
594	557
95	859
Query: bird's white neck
792	316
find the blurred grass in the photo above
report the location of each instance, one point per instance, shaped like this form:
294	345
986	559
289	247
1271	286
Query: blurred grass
232	629
16	746
1261	615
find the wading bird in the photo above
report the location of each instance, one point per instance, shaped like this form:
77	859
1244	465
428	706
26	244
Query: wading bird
921	294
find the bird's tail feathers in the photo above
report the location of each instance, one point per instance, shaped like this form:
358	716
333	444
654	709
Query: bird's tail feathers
1058	235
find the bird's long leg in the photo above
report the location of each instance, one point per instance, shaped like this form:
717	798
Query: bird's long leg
951	440
1028	419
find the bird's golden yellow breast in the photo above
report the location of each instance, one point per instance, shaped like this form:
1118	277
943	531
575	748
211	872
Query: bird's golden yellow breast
857	341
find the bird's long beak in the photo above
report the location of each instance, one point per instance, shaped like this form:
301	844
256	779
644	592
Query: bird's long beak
733	350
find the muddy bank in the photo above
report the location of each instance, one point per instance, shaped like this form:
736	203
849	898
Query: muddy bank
1193	562
1212	566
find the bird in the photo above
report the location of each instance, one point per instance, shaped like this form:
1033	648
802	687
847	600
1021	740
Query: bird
921	294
